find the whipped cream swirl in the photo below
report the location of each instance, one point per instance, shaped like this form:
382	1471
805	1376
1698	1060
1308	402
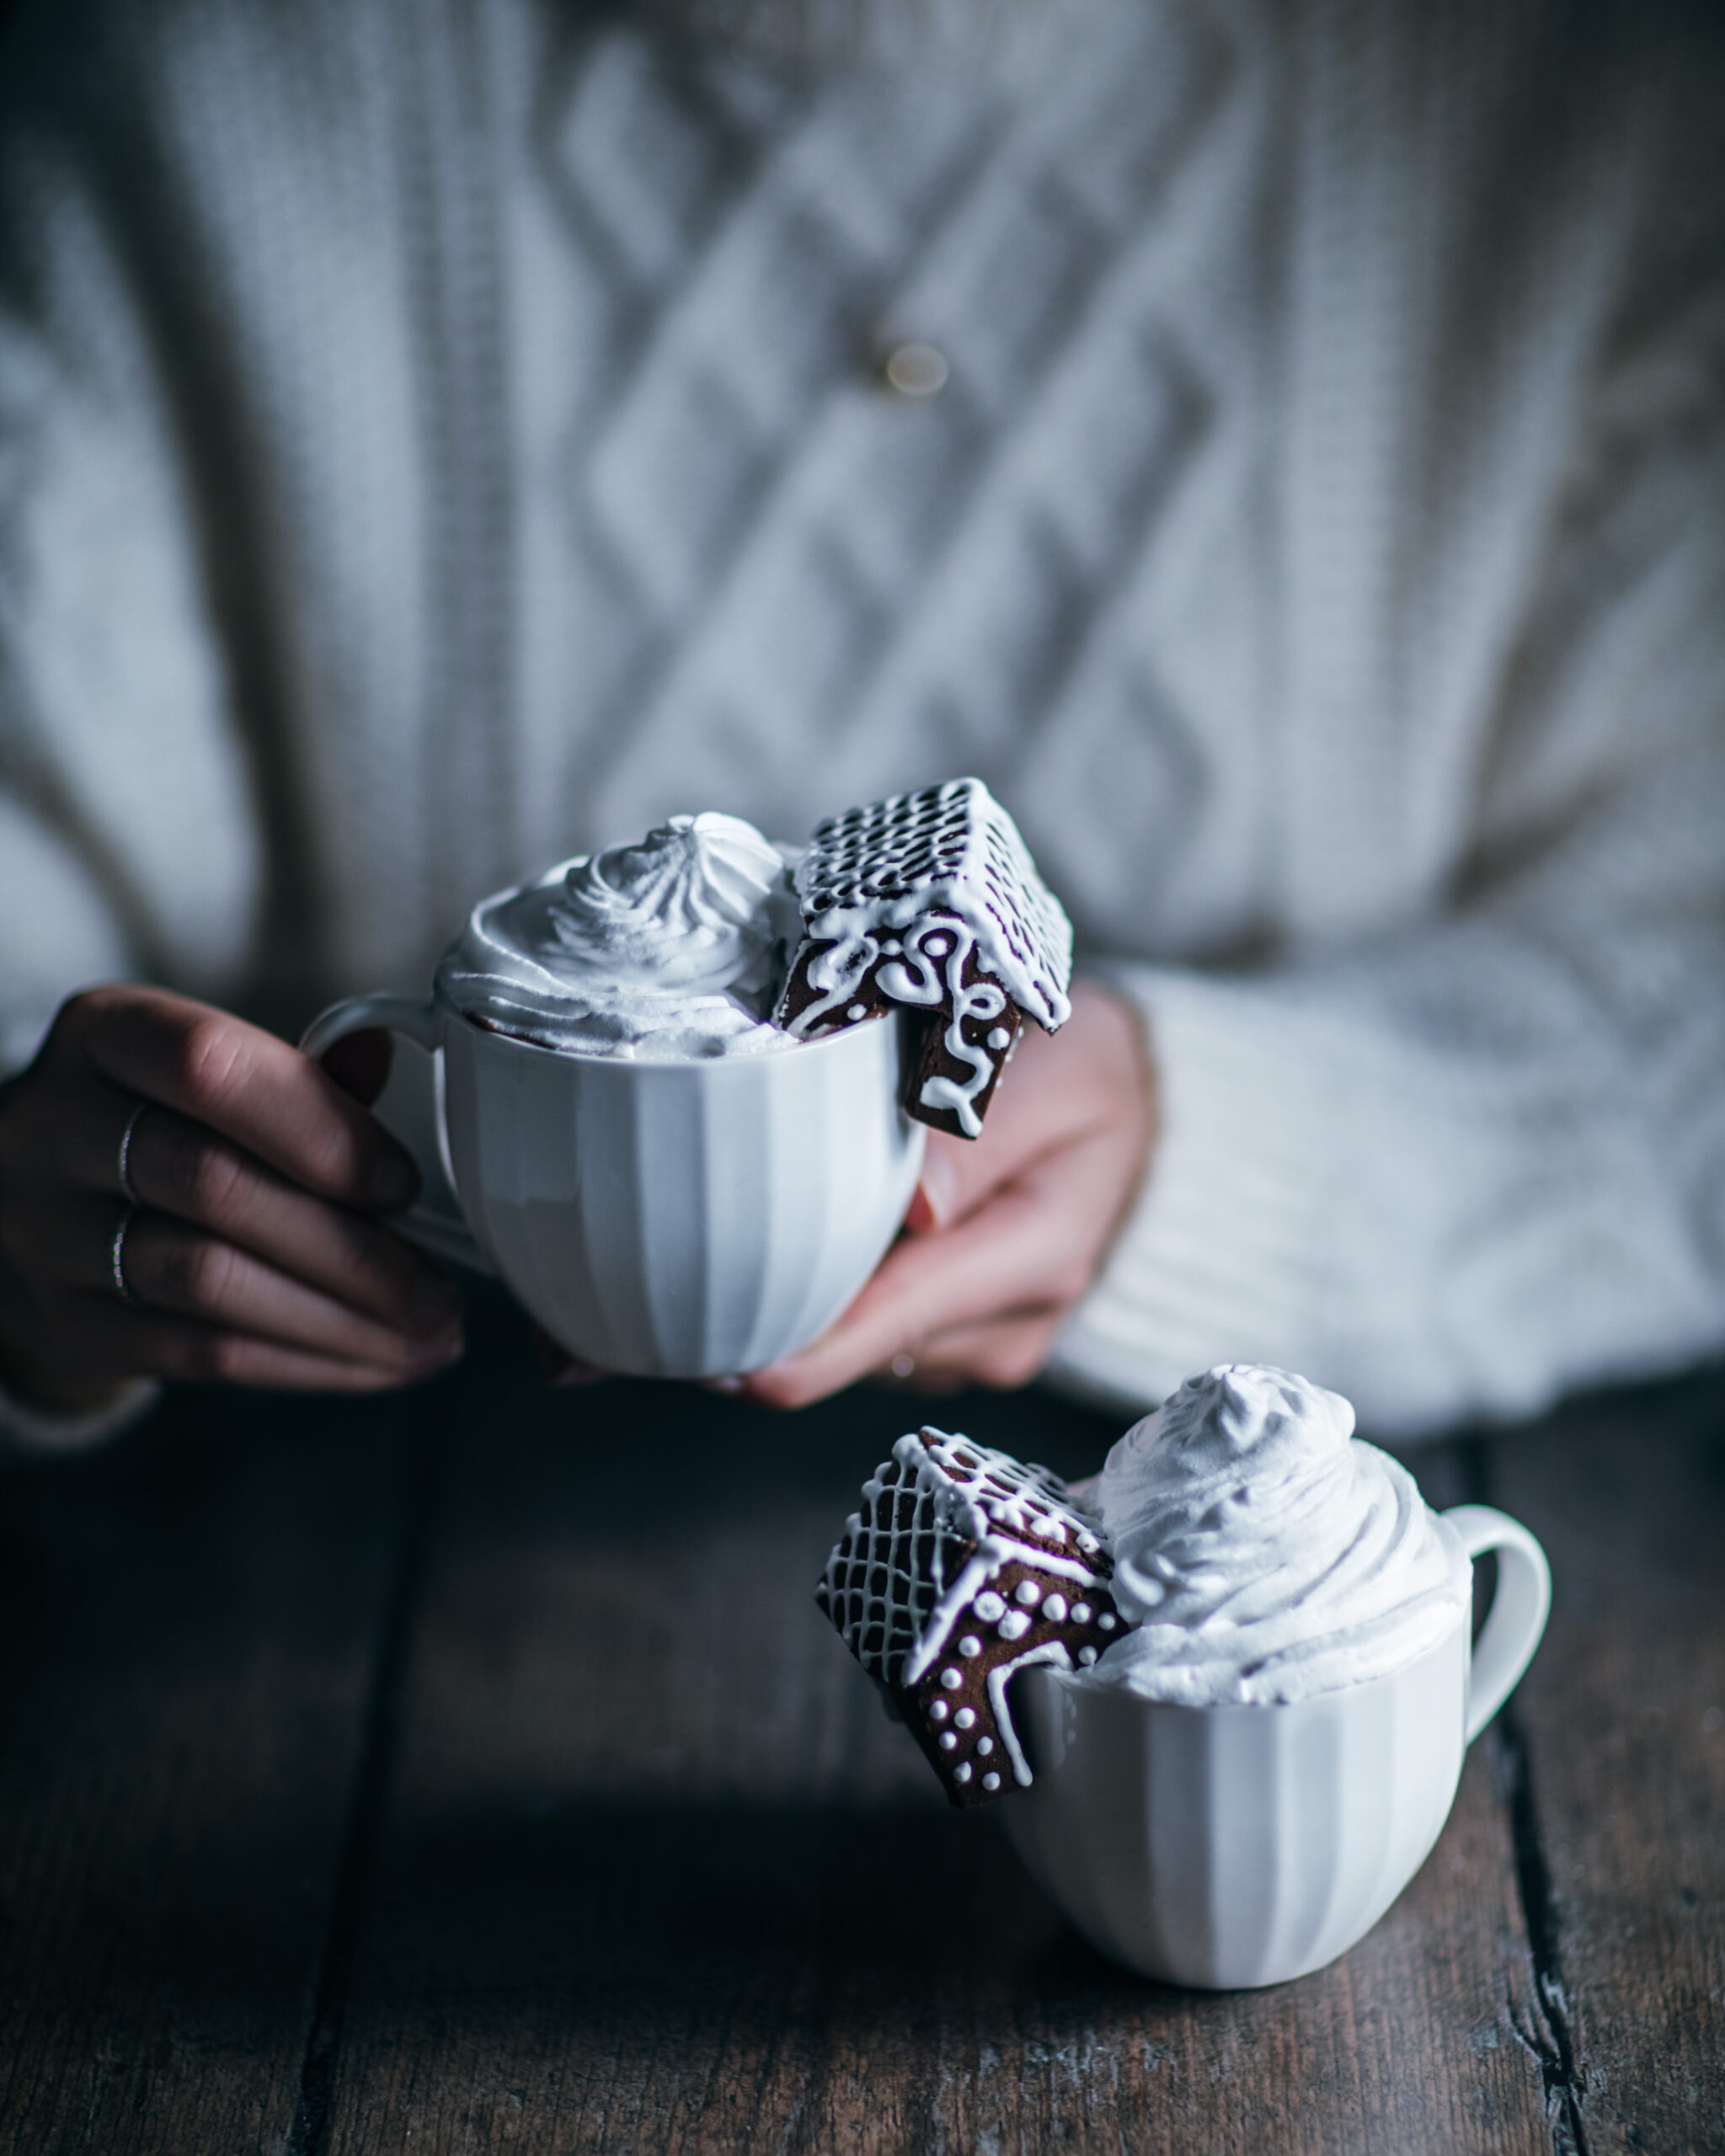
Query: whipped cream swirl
1264	1552
670	949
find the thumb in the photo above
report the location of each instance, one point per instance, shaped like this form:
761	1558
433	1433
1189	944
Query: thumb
934	1201
1045	1098
960	1174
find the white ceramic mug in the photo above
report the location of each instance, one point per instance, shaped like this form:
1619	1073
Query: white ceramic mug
674	1219
1229	1846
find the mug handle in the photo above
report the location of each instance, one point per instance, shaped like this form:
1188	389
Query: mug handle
435	1229
1520	1607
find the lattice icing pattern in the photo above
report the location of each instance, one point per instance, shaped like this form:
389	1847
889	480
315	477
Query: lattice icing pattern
930	901
963	1566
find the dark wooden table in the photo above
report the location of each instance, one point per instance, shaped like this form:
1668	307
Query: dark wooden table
472	1770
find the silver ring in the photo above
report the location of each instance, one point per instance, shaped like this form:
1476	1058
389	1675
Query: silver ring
116	1261
125	1136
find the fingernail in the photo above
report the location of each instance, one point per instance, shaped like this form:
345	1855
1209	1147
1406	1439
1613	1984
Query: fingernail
434	1303
939	1185
394	1182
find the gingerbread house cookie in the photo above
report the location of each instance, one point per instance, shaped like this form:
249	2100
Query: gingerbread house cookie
963	1567
930	902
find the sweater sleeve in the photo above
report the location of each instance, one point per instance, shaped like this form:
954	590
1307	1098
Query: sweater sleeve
1457	1169
129	840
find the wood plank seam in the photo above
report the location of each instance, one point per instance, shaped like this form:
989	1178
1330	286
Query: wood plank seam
379	1744
1544	2030
1548	2034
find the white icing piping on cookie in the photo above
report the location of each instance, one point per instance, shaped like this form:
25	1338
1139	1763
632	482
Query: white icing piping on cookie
1053	1651
984	1562
837	974
981	1000
924	971
1026	1506
993	1551
895	928
967	1504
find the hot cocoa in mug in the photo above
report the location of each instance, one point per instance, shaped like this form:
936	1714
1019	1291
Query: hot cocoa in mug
682	1084
1222	1694
670	1185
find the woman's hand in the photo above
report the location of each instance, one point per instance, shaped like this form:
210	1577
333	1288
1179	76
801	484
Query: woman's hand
256	1256
1004	1233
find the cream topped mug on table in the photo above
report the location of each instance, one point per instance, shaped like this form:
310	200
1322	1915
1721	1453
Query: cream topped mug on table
670	1184
1240	1787
1221	1694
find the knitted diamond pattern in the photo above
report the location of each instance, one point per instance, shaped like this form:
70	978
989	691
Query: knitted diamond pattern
758	543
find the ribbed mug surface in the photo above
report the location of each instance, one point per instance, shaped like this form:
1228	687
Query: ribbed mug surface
682	1218
1230	1846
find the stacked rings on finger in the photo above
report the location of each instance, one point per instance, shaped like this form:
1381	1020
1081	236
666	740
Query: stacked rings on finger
116	1260
125	1138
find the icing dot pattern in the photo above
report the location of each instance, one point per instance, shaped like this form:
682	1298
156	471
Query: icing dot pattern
962	1565
924	1512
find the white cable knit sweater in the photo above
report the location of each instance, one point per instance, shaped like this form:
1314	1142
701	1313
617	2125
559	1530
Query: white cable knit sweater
440	436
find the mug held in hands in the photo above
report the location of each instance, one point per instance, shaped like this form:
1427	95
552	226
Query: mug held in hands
664	1218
